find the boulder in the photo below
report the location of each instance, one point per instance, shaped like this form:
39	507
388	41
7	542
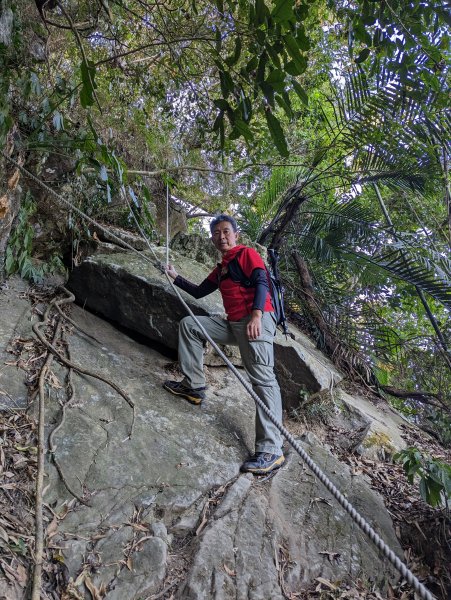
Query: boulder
126	289
370	429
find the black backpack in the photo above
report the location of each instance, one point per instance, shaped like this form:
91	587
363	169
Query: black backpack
275	287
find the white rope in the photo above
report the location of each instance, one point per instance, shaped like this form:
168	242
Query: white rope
361	522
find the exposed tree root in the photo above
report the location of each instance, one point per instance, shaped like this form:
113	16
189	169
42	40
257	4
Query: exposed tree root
36	329
52	447
53	352
73	323
39	526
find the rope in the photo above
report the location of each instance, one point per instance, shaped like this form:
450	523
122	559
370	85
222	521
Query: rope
422	591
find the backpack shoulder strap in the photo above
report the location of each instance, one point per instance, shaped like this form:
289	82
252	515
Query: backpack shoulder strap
236	272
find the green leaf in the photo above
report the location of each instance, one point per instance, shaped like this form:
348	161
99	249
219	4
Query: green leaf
260	12
273	55
300	92
301	12
283	11
302	39
221	104
292	69
233	59
252	64
86	98
261	36
363	55
261	67
277	134
218	40
219	119
284	102
276	79
318	156
88	72
244	130
293	50
226	82
276	76
268	91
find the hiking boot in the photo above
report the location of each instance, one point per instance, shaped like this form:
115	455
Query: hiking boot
263	462
178	388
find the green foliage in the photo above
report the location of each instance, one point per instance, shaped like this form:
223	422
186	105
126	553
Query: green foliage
20	247
88	71
441	424
20	243
434	475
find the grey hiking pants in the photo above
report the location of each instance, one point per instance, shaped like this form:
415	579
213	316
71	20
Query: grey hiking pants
258	360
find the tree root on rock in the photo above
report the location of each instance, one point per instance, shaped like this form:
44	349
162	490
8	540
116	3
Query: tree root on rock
51	353
36	329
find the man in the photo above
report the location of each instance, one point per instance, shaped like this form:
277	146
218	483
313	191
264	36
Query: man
250	325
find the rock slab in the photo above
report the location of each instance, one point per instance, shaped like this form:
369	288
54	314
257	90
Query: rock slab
126	289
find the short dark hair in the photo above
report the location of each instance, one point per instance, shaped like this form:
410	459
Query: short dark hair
221	218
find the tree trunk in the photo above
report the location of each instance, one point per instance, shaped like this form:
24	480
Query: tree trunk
285	215
307	291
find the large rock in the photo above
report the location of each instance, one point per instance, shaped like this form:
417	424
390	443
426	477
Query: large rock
262	539
126	289
370	429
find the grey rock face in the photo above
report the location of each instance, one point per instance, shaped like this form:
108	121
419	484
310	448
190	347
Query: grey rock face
148	493
15	322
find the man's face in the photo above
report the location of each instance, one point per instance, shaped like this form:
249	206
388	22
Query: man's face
223	237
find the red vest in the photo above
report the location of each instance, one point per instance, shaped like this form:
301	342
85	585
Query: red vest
237	299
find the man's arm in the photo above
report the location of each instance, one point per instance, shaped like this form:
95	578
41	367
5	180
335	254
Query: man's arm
258	280
197	291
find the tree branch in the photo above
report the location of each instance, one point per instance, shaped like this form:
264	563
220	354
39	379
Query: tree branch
419	395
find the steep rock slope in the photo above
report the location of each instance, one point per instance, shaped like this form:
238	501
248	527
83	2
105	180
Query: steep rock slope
167	506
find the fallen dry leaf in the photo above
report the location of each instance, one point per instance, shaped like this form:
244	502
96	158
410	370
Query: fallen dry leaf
52	528
95	592
3	534
325	582
229	571
21	575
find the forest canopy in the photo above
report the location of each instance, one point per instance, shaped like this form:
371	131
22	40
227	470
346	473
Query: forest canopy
323	126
